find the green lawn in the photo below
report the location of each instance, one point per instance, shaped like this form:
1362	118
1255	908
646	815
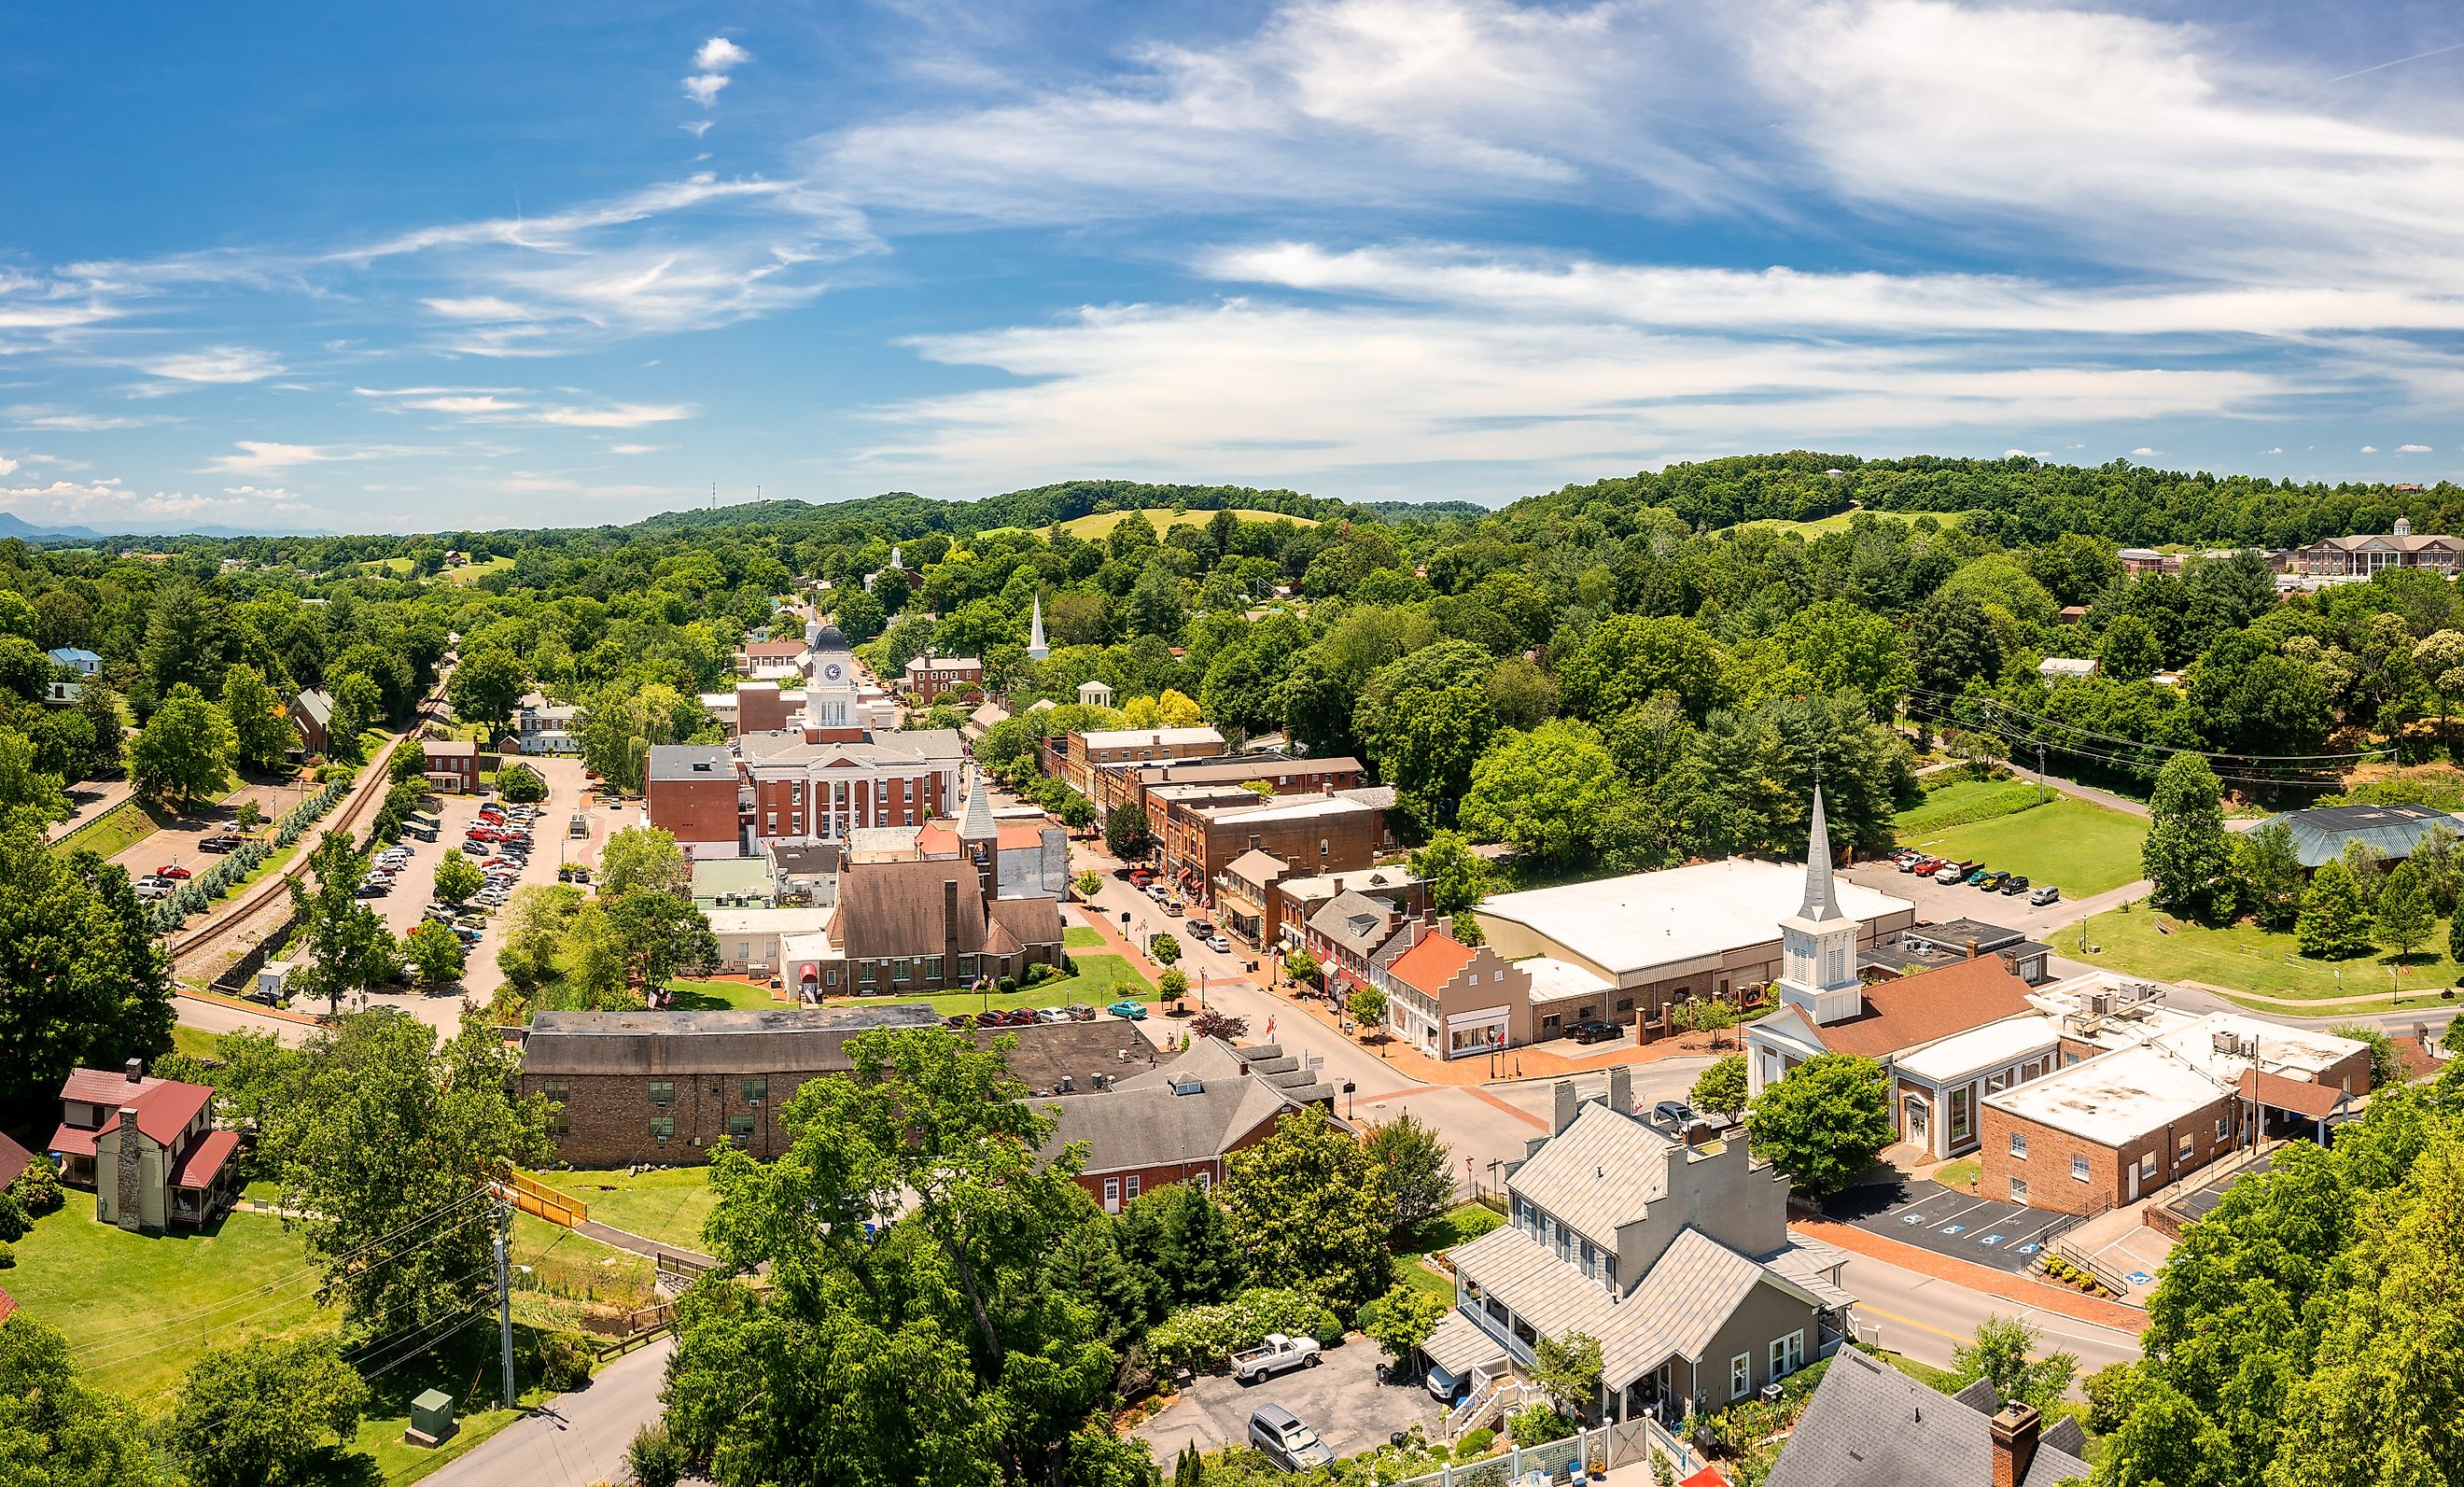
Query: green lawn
1838	521
1078	937
1458	1225
1163	519
667	1204
138	1311
704	996
2080	848
1101	979
2244	958
1412	1270
117	830
1958	1174
1968	801
195	1042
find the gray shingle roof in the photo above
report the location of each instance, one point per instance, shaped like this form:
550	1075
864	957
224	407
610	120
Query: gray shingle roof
1569	1176
1151	1126
1869	1425
1355	920
691	762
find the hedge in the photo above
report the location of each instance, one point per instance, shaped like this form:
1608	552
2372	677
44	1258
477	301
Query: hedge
1206	1336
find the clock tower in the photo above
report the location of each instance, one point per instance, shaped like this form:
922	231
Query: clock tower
830	690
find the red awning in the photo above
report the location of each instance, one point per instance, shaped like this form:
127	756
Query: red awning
205	1160
71	1141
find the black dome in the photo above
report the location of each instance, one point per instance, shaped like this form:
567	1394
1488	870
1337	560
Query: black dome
829	639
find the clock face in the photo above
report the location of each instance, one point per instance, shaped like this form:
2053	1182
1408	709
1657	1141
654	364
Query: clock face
831	672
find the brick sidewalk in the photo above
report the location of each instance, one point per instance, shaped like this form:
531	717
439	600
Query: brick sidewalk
1531	1062
1969	1276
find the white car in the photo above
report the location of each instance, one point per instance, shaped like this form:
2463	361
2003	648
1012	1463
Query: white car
1218	943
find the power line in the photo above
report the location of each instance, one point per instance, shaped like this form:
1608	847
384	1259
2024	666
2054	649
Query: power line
1944	700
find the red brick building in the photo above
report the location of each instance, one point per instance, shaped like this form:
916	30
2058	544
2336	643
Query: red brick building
1077	757
1178	1122
692	793
928	675
1315	834
452	765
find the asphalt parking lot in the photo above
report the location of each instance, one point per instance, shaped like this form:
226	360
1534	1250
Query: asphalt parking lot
2005	1236
1340	1398
1939	904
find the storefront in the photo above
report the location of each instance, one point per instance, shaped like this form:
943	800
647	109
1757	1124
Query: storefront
1473	1035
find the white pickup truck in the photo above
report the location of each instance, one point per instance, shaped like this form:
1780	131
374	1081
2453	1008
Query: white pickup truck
1273	1356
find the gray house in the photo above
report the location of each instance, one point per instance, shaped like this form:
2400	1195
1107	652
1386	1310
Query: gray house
1869	1425
1674	1255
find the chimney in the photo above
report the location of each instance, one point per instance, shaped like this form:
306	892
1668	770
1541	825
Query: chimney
950	927
136	1069
2014	1442
1621	1089
1567	1107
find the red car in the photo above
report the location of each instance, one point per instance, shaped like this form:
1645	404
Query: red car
173	871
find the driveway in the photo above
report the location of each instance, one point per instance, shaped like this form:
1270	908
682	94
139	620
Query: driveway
573	1439
2006	1236
1340	1398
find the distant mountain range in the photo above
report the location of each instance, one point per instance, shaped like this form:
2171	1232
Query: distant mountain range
12	526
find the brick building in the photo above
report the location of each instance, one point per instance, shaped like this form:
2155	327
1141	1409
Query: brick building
1314	833
1210	781
670	1087
918	926
147	1148
452	765
929	677
1076	757
692	793
1178	1122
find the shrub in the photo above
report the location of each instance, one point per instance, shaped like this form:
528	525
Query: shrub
1008	985
564	1361
1475	1444
38	1188
2109	1398
654	1457
1204	1337
1538	1425
13	1222
7	1257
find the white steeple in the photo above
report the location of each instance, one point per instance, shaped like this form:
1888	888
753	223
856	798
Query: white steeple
976	825
1036	648
1818	942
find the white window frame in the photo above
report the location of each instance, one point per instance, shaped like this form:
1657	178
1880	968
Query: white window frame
1111	1195
1741	1376
1129	1188
1787	1354
2079	1167
2019	1190
2020	1144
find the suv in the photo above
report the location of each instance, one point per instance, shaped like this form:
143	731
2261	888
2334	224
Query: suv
2015	884
1676	1114
2049	894
1286	1439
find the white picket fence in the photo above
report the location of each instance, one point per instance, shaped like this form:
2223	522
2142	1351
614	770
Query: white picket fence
1562	1460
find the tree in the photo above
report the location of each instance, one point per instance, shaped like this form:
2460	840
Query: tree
2269	872
437	952
2387	1061
1458	876
1308	1166
1720	1090
1176	1236
396	1138
184	754
1999	1354
1425	721
38	794
521	784
348	947
535	922
260	733
100	707
1953	644
81	981
1824	1123
2131	651
2334	924
1569	1369
457	876
662	932
1088	885
2187	856
358	706
642	857
1300	966
57	1432
1418	1167
1127	835
906	1329
1846	648
1401	1322
1367	1007
486	685
1212	1024
2404	917
1546	791
1163	949
594	960
257	1414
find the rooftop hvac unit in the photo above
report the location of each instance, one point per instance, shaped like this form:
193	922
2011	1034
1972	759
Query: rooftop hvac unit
2100	1004
1068	1084
2225	1043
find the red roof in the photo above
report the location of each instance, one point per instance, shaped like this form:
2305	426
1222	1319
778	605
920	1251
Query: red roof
165	1107
13	1159
1428	966
204	1160
1928	1006
8	1304
70	1141
1708	1476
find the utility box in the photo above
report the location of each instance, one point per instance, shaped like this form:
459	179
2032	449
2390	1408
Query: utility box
431	1419
579	826
273	982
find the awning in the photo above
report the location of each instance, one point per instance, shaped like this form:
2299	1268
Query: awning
1459	1345
71	1141
2300	1097
205	1160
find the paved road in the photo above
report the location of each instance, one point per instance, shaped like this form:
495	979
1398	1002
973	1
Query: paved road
573	1439
87	801
218	1017
1925	1318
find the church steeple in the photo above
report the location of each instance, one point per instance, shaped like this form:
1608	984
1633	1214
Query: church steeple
1036	648
977	824
1818	942
1821	903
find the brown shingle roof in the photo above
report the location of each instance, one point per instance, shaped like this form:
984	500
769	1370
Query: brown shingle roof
1931	1005
896	908
14	1159
2318	1101
1030	921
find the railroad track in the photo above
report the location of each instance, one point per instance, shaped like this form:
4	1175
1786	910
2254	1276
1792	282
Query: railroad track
278	888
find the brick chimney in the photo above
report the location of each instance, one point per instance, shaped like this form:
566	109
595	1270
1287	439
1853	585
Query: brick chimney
1621	1089
949	928
2014	1442
1566	1107
136	1071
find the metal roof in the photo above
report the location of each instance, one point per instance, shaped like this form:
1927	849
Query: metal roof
2320	832
1570	1176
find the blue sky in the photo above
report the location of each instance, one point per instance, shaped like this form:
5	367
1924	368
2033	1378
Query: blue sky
507	265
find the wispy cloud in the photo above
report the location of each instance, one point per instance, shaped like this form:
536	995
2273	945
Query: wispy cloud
60	420
213	364
260	456
2412	449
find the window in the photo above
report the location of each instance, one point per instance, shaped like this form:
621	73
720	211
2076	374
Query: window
771	817
757	1089
1787	1354
1960	1100
1496	1310
1625	1004
739	1127
662	1127
1111	1195
2079	1167
2189	1145
553	1094
2018	1190
663	1092
863	970
2220	1127
1522	1331
2019	1144
2148	1166
1131	1191
904	971
1741	1375
1204	1181
967	968
932	967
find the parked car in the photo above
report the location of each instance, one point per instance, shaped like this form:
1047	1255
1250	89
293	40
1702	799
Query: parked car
1052	1014
2049	894
1277	1354
174	872
1979	876
1988	881
1676	1114
376	890
959	1022
1948	873
150	887
1019	1018
2015	884
1202	927
989	1018
1218	944
1130	1008
1286	1439
1594	1031
1080	1012
226	841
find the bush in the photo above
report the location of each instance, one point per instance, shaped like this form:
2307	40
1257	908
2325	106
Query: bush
1008	985
38	1188
654	1457
2109	1398
1538	1425
521	784
1475	1444
7	1257
564	1361
1205	1337
13	1222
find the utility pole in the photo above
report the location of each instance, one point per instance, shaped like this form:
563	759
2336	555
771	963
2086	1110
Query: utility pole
505	1298
2041	796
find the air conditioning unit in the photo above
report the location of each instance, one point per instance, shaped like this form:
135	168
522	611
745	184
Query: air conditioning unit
2225	1043
2100	1004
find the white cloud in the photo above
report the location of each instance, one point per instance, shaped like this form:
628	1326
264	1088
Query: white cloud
621	416
614	449
2143	452
261	456
466	403
2279	450
719	55
478	307
63	421
696	127
215	364
2412	449
703	87
8	466
274	493
2369	449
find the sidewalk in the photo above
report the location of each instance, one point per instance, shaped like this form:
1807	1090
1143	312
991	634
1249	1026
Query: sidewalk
106	795
1973	1278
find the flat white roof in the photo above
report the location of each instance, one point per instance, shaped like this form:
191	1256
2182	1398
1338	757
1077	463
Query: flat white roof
1646	920
1371	880
1298	809
1132	738
1554	979
1989	1047
768	921
2113	1098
